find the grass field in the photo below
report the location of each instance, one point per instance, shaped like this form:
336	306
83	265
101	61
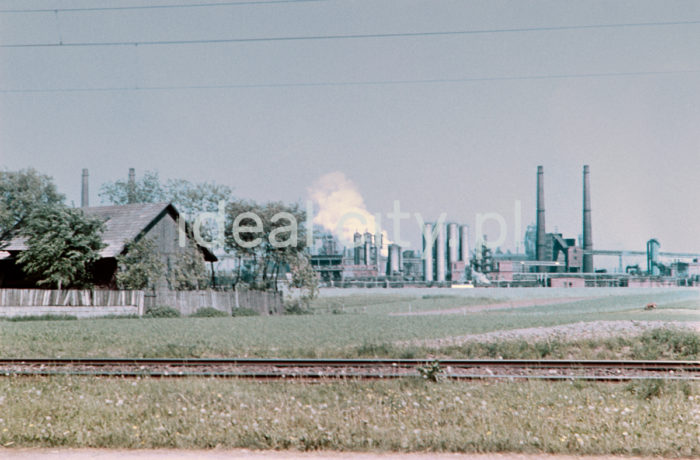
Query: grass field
321	334
649	418
643	418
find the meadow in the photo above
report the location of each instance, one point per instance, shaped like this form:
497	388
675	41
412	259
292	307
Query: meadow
645	418
339	326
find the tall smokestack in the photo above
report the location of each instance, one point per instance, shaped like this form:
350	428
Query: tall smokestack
587	229
541	236
131	190
85	192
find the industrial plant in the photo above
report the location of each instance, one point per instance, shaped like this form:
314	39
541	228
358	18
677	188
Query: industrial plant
550	259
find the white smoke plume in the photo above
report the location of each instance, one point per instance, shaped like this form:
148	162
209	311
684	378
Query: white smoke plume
341	209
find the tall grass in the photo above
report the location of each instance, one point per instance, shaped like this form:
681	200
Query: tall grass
408	415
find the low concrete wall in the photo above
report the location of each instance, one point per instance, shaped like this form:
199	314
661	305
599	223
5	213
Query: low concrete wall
80	312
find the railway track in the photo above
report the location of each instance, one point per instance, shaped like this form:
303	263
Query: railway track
324	369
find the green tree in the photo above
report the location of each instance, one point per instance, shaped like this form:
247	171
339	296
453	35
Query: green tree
192	198
62	245
304	278
189	198
20	193
148	189
140	266
277	222
189	272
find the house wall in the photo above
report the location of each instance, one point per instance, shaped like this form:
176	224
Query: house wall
166	236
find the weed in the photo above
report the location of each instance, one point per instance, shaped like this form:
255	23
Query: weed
208	312
646	389
295	307
242	311
431	372
46	317
161	312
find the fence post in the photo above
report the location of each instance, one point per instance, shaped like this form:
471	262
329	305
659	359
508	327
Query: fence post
140	300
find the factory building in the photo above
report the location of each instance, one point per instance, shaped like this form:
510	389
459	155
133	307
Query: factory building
445	252
550	258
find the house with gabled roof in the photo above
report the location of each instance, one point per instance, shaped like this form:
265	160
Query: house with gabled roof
123	224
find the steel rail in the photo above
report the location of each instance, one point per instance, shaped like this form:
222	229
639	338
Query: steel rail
688	366
319	377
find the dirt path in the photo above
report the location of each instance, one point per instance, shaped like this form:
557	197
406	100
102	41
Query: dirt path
162	454
493	306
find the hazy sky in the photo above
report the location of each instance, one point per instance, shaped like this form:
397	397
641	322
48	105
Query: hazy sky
624	99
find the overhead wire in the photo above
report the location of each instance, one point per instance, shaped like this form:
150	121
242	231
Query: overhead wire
347	36
155	7
351	83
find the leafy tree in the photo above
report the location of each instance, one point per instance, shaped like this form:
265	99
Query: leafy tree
20	193
277	222
62	245
189	271
189	198
148	189
192	198
140	266
304	278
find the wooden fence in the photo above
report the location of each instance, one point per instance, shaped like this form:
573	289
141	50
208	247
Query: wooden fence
80	303
188	302
69	298
42	301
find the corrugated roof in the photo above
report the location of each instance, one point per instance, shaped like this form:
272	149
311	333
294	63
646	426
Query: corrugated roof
122	224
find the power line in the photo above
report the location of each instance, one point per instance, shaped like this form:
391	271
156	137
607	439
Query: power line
354	83
156	7
350	36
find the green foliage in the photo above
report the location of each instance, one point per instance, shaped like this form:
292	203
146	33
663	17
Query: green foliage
189	198
208	312
62	245
192	198
188	272
279	223
658	342
46	317
161	312
242	311
431	371
295	307
647	389
304	278
140	266
148	189
21	192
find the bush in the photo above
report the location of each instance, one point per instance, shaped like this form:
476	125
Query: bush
647	389
46	317
161	312
241	311
295	307
208	312
658	343
431	371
